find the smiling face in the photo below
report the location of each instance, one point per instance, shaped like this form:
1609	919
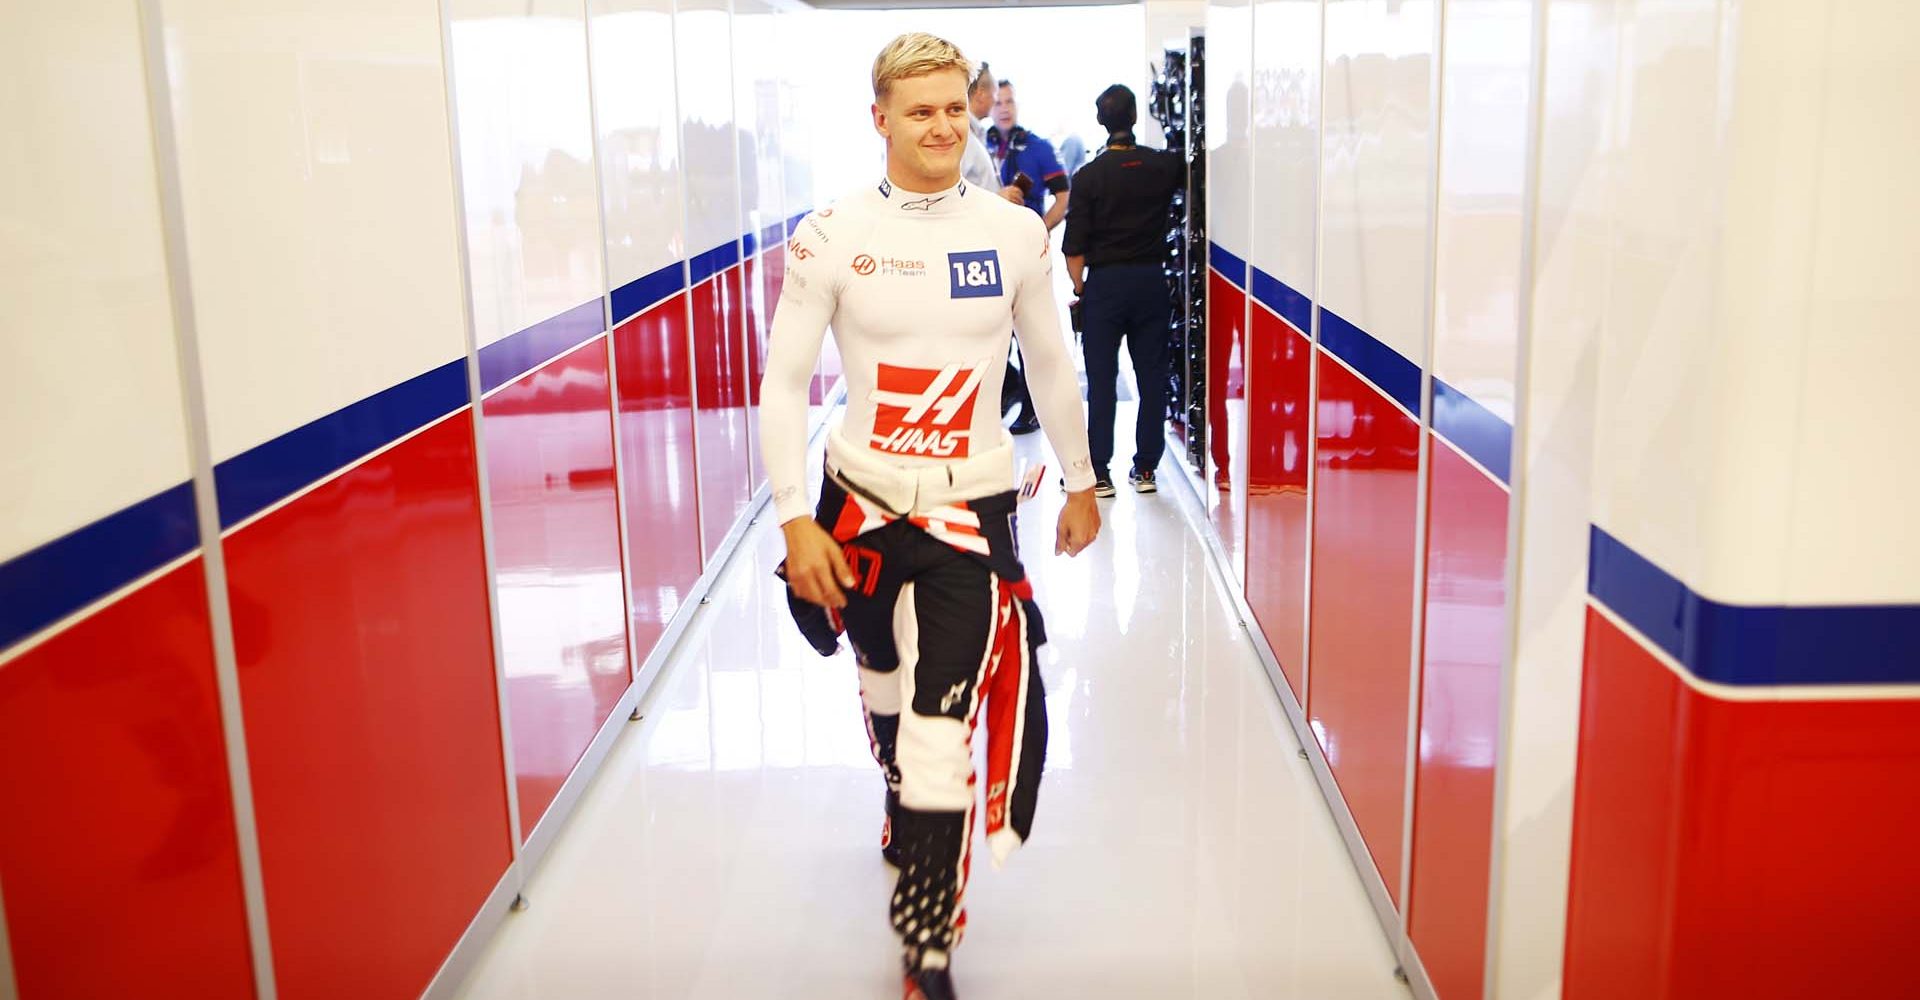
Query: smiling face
924	120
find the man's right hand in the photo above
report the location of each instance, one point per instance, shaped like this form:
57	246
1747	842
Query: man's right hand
1013	194
816	568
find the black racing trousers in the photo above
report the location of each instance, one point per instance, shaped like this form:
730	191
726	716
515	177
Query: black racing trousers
943	636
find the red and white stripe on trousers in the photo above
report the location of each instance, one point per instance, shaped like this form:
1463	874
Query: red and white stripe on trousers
1003	688
950	523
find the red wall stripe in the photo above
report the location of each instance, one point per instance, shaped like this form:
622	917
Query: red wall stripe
1365	516
117	844
1737	849
366	671
1464	643
562	602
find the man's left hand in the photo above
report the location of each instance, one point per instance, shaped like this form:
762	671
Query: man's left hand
1079	524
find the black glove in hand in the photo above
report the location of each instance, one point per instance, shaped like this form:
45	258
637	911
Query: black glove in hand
818	626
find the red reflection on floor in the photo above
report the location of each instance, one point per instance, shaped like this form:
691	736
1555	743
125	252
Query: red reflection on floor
1279	382
1737	849
1365	512
654	378
117	850
1226	405
1466	636
366	668
556	530
720	406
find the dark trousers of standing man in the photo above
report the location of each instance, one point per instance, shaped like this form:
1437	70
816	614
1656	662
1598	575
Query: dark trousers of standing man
1126	302
1013	392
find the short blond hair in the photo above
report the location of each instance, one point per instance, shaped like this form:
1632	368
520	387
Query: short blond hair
916	53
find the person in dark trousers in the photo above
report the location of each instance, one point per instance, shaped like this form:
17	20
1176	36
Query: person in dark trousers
1029	172
1116	234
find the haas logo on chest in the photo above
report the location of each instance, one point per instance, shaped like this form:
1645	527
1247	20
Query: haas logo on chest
925	412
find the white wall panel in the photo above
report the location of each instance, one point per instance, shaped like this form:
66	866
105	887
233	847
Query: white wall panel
317	177
1760	322
90	416
1286	137
705	39
1483	159
1579	150
1652	446
1378	165
526	151
1823	245
639	136
795	58
1229	121
756	102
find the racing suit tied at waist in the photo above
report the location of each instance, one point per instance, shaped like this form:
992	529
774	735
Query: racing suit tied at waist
905	492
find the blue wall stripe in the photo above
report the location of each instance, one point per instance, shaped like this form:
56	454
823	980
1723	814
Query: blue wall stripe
1230	266
1382	365
713	262
1474	429
793	222
773	235
641	294
749	245
262	476
1755	644
1280	297
508	359
46	584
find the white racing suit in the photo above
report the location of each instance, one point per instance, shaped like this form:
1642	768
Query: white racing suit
923	293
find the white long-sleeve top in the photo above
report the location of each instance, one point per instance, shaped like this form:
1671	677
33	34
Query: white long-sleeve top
923	293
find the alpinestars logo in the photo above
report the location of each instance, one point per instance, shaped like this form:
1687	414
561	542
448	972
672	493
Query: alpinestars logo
922	205
953	696
925	412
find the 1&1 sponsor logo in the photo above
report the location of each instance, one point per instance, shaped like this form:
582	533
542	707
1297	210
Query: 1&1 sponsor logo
974	275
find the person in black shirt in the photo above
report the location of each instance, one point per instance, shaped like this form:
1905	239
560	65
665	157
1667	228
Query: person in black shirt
1116	235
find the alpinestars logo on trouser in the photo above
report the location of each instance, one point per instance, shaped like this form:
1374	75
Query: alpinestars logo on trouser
945	630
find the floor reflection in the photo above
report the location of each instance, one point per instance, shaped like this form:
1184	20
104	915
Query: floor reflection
1181	849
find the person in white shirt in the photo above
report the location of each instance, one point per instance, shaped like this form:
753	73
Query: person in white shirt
976	164
923	278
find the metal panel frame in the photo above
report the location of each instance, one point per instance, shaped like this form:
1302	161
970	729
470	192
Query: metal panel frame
206	505
1518	485
1317	282
480	444
613	372
473	941
1436	78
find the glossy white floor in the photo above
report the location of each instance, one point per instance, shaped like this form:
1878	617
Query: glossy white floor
728	849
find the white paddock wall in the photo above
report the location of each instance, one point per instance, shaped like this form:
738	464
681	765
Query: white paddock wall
1553	440
382	383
